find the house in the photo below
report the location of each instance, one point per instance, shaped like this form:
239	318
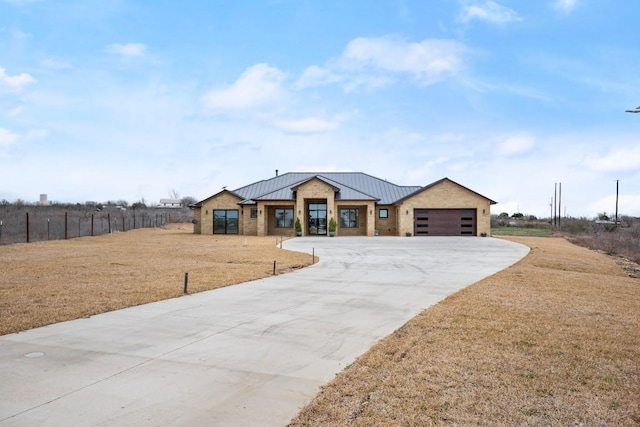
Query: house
170	203
362	205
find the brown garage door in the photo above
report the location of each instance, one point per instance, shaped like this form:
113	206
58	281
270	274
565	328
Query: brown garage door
444	222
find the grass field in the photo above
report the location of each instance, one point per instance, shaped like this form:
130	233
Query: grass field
49	282
552	340
521	231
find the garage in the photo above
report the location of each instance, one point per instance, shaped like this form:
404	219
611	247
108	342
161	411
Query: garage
444	222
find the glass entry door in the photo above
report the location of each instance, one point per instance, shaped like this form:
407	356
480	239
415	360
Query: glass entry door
317	219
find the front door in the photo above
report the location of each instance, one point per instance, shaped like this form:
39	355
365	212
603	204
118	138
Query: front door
317	219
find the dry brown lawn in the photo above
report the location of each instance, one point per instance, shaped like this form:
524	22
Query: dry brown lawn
49	282
552	341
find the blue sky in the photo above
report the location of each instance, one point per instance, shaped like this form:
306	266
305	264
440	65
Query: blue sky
125	100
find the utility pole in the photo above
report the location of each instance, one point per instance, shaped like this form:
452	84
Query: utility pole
555	198
559	203
617	192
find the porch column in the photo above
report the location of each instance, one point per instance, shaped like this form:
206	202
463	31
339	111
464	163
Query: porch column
371	219
262	220
300	213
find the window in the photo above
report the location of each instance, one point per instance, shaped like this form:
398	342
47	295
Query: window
349	218
225	221
284	218
383	213
254	212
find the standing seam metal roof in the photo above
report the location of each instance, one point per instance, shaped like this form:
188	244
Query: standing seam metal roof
352	185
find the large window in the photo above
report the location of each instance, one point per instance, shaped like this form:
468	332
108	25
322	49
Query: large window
284	218
349	218
225	221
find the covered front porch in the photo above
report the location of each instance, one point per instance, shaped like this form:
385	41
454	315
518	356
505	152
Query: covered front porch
352	218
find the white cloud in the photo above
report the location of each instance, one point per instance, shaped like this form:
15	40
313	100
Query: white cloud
307	125
565	6
7	137
127	49
618	159
55	64
428	60
515	145
317	76
489	11
258	86
371	63
17	81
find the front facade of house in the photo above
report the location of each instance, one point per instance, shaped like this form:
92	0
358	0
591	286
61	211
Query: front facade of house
361	204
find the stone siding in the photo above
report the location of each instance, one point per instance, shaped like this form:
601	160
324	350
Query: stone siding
387	226
314	190
445	195
223	200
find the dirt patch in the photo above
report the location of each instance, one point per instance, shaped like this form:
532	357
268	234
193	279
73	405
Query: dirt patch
552	340
49	282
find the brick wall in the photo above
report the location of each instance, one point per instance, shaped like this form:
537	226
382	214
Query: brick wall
387	226
445	195
223	200
314	190
249	225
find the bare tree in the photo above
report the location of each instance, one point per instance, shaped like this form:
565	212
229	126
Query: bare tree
173	194
188	200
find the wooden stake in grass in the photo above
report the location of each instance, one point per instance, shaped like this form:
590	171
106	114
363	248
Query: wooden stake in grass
186	283
274	267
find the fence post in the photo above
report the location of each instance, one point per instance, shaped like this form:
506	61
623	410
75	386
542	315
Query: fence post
27	227
91	225
66	226
0	231
123	223
109	222
186	282
79	222
274	268
48	229
134	221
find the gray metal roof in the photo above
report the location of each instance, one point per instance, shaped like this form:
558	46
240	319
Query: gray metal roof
350	185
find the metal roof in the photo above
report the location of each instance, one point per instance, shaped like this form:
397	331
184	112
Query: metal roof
349	185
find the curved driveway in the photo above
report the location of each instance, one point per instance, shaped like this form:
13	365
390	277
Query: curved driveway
251	354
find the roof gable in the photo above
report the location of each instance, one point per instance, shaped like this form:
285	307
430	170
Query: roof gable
348	186
232	193
440	182
318	177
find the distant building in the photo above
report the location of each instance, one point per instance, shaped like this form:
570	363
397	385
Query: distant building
43	200
170	203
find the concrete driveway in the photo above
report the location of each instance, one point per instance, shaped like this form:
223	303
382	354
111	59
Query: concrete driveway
251	354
